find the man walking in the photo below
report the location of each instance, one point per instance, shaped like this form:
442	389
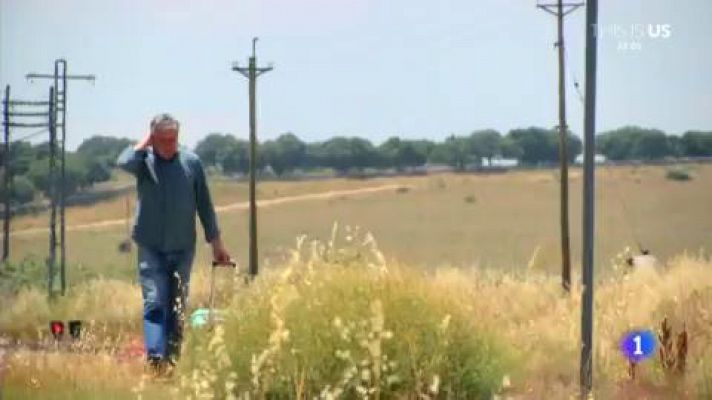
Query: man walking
171	187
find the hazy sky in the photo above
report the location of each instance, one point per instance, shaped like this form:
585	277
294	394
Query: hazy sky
373	68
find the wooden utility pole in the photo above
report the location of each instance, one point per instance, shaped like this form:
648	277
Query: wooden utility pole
60	78
51	260
6	176
560	10
589	149
251	72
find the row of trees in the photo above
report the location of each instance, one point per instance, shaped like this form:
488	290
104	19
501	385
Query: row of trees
92	162
635	143
529	146
287	152
94	159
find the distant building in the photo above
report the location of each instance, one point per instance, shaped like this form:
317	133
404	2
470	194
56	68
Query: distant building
598	159
500	162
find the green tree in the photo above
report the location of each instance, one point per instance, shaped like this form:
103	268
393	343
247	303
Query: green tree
75	174
541	146
315	155
284	154
41	150
343	153
336	154
616	144
676	146
402	154
651	144
235	158
423	148
364	154
538	145
39	175
211	148
21	156
633	142
486	144
105	148
98	170
697	144
455	151
511	149
23	191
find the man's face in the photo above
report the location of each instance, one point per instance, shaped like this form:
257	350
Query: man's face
165	139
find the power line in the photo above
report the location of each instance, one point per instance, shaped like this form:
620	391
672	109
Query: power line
573	78
31	135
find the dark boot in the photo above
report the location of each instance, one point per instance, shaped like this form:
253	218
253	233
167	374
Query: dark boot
174	348
169	367
155	366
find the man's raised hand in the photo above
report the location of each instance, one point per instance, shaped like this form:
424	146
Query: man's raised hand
144	142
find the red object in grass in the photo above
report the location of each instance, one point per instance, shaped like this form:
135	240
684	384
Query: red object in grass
57	329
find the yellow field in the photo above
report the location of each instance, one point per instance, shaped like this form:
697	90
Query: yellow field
503	221
519	330
422	225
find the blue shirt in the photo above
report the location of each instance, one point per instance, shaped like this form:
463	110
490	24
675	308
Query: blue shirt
169	194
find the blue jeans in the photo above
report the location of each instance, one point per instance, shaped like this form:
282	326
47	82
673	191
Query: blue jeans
164	277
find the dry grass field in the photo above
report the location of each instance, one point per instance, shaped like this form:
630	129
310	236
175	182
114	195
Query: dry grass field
502	221
338	321
474	256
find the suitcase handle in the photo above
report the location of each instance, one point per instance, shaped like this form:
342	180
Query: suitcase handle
231	264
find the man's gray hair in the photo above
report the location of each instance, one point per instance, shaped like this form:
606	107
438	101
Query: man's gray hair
163	118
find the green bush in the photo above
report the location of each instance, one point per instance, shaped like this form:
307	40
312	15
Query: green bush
23	191
27	273
98	170
76	174
678	174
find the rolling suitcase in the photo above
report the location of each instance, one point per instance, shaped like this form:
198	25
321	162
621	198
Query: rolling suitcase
202	316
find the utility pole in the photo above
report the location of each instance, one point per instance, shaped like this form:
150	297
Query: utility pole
6	176
52	259
560	10
251	72
60	78
589	149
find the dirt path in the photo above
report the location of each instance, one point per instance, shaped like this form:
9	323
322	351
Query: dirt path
243	205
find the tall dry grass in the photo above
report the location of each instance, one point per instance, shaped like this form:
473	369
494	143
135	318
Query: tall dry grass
339	321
